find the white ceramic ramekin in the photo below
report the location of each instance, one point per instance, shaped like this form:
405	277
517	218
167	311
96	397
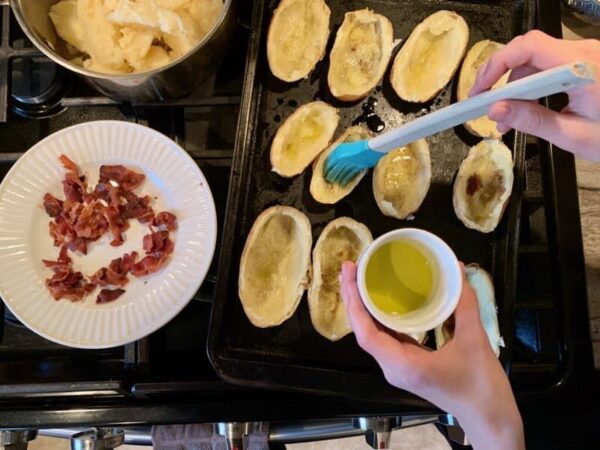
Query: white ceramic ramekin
448	279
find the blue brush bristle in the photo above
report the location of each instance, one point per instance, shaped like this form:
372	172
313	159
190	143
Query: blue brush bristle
348	160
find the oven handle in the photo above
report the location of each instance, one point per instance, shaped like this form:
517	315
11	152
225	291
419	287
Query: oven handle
281	432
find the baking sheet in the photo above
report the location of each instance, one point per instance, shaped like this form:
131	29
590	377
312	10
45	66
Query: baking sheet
294	355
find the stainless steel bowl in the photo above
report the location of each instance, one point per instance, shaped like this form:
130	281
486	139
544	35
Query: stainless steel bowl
174	80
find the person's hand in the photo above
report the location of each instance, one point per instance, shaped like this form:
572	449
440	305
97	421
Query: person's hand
577	127
464	377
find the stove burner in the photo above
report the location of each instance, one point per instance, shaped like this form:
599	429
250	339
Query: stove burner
38	87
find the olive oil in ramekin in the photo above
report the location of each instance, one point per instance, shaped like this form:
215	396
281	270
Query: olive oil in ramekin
399	277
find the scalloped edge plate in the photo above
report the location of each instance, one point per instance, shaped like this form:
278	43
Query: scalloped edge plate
177	184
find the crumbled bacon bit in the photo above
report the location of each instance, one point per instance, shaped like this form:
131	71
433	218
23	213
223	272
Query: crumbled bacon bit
149	264
106	277
473	184
116	273
61	231
71	211
101	278
68	164
66	283
127	179
492	188
158	247
116	224
63	259
109	193
79	244
71	190
86	215
137	208
165	220
109	295
52	205
126	263
74	185
156	242
91	223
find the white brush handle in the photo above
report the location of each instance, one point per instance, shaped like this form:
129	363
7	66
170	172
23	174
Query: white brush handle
533	87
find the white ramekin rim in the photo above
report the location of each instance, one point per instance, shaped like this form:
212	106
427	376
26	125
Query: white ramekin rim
446	293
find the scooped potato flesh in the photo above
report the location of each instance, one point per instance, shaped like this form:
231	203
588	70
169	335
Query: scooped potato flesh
362	55
296	30
341	245
399	176
484	188
303	135
432	47
269	265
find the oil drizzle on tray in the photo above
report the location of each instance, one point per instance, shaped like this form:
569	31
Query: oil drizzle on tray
370	117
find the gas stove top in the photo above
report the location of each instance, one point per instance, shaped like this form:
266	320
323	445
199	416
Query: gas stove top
167	376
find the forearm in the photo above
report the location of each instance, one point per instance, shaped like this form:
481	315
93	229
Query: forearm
487	432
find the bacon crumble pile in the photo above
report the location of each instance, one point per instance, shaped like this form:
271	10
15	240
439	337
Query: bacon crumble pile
85	215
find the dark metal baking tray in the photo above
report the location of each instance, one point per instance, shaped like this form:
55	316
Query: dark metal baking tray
293	355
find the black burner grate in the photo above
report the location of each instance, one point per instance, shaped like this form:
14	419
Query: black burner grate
8	54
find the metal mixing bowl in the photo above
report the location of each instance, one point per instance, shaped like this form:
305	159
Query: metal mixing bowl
171	81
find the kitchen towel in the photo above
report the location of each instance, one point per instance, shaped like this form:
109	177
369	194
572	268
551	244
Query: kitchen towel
199	437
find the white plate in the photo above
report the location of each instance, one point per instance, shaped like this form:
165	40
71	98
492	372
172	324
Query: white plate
149	302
